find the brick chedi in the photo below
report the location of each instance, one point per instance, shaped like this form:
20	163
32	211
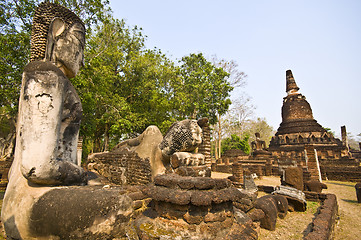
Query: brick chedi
298	124
299	128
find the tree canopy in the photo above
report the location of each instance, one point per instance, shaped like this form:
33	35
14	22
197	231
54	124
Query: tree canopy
124	87
203	89
235	142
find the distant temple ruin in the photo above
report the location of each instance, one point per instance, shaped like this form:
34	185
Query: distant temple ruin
298	129
299	138
299	142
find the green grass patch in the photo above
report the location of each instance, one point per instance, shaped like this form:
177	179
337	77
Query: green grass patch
312	207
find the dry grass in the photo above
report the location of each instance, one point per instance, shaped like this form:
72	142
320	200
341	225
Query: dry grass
296	224
349	224
293	226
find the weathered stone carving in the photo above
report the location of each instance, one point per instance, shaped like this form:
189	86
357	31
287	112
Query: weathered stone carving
186	159
205	147
171	153
296	198
46	145
259	150
183	136
146	146
258	144
49	108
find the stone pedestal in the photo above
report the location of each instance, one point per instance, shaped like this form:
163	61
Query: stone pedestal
268	169
358	192
237	171
205	147
197	207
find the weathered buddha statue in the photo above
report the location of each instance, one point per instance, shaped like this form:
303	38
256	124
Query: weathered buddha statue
50	109
180	148
258	144
259	150
167	153
37	203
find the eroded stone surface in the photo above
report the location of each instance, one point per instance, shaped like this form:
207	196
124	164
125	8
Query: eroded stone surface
296	198
293	177
183	136
198	206
81	212
315	186
145	147
46	147
325	221
269	207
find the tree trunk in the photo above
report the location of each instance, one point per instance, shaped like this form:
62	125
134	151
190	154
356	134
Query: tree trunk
216	148
106	138
219	136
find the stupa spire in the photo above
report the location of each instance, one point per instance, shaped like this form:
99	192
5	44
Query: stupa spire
291	86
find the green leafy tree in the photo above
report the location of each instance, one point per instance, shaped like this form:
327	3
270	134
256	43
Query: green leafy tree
124	87
235	142
15	31
203	89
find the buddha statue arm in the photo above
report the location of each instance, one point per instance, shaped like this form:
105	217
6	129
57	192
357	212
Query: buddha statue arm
42	103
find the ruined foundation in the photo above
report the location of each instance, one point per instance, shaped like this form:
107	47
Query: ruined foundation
200	207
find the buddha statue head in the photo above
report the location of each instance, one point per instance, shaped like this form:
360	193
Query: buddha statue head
183	136
58	36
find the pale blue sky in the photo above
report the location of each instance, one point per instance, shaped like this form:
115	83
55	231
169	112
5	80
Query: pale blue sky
320	41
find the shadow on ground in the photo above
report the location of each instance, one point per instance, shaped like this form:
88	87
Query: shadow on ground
349	201
341	184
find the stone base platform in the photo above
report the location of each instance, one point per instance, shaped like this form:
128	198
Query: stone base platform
197	207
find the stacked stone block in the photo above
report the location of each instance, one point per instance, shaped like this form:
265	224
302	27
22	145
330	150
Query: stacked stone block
323	224
200	206
138	169
237	172
205	147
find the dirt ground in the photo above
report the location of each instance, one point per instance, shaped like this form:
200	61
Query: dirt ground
296	224
349	224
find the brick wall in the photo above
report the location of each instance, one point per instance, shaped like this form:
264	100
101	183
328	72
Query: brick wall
122	167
